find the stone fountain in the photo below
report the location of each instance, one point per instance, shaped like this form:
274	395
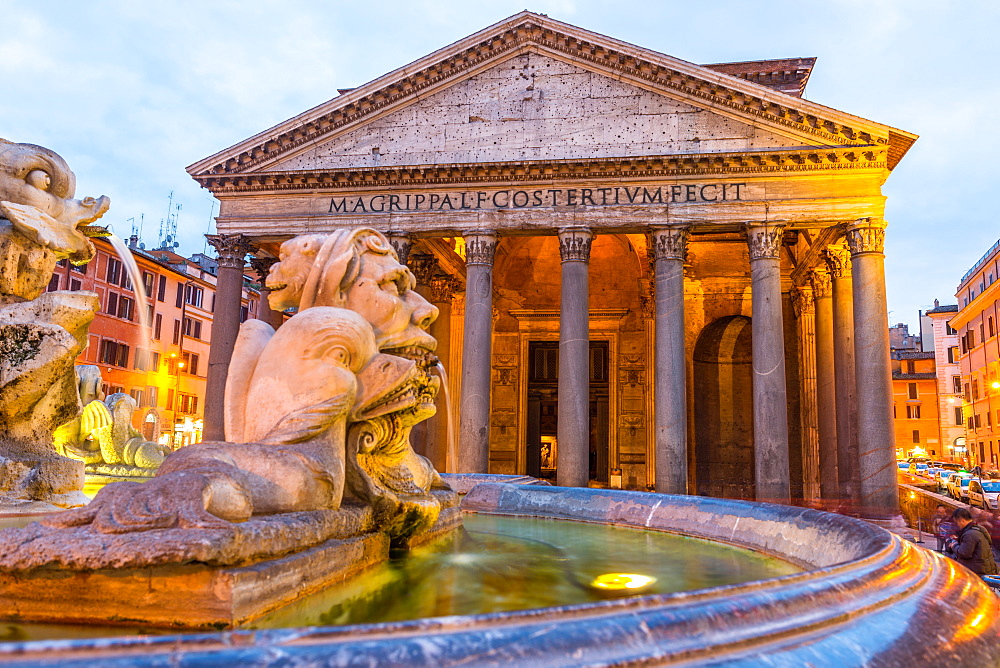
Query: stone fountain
41	333
317	479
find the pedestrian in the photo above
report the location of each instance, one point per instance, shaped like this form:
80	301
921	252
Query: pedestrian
972	546
940	517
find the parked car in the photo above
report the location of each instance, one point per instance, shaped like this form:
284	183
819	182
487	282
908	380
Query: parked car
942	479
903	466
918	468
984	493
958	486
951	466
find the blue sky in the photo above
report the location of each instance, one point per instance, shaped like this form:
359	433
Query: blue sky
132	92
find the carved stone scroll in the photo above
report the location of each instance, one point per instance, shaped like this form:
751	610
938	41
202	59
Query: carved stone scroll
669	243
866	235
480	247
764	240
574	244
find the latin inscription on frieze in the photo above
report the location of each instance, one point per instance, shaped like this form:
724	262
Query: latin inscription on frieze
541	198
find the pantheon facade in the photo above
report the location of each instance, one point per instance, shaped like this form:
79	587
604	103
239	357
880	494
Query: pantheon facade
650	273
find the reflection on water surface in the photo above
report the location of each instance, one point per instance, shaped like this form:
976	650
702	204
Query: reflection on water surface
497	564
494	564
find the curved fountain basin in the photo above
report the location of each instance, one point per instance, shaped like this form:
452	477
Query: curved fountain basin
866	597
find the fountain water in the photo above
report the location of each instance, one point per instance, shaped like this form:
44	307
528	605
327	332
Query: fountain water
138	287
451	460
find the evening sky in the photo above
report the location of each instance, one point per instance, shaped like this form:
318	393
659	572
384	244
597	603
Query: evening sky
130	93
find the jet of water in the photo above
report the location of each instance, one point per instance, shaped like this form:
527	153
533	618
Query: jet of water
451	460
141	298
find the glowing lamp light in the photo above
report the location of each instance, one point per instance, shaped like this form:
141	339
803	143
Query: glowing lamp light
620	581
995	385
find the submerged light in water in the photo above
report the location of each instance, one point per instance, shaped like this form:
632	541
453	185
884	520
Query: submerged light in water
619	581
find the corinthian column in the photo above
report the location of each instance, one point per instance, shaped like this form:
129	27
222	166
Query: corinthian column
770	402
232	250
805	316
669	249
573	426
262	265
826	395
474	433
848	473
876	438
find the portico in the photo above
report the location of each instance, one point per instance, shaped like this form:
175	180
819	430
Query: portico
618	237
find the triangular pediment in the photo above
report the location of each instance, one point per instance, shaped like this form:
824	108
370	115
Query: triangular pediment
534	107
534	89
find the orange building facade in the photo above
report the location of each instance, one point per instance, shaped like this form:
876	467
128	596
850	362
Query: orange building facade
915	404
166	373
938	335
979	358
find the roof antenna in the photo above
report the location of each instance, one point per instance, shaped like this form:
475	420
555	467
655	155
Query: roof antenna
168	225
208	230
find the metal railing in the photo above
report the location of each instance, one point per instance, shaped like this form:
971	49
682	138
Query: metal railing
980	261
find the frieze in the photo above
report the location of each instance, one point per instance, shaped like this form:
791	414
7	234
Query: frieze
791	113
505	377
611	169
632	359
557	198
866	236
764	240
632	376
505	361
232	249
574	244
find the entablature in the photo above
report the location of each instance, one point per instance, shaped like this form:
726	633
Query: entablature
771	161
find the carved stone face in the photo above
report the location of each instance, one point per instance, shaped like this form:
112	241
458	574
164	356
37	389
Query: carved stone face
289	275
38	177
359	273
384	294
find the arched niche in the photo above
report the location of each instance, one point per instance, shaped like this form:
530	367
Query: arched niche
723	409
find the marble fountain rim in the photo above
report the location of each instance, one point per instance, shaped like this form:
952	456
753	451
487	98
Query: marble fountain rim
796	618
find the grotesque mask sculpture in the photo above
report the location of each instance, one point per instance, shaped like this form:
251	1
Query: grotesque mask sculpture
318	414
40	334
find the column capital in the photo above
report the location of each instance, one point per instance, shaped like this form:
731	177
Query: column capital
838	261
669	243
262	265
574	243
401	243
866	235
822	283
803	301
764	240
423	266
443	288
480	247
232	249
